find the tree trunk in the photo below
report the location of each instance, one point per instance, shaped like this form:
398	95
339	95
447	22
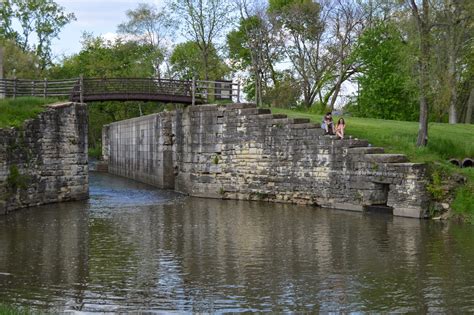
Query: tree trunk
423	25
2	95
336	93
453	117
470	105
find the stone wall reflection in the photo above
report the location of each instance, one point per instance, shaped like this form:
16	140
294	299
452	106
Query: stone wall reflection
44	250
206	251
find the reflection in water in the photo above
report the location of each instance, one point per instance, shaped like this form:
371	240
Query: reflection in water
132	247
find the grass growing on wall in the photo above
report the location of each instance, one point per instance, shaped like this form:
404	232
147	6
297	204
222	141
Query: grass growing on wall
445	141
13	112
10	310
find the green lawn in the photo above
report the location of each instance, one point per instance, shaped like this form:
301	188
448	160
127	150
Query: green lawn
445	142
13	112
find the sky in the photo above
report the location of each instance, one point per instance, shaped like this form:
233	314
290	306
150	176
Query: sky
99	17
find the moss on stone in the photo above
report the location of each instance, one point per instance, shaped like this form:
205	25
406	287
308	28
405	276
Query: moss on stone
16	180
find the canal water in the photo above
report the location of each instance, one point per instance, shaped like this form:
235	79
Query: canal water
133	247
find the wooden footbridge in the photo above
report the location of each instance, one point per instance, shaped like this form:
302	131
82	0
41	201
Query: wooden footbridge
124	89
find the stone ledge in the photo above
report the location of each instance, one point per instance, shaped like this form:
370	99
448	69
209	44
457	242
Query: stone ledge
386	158
304	126
409	212
63	104
241	106
347	206
365	150
298	120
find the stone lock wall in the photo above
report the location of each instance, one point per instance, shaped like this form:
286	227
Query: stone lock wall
45	160
242	152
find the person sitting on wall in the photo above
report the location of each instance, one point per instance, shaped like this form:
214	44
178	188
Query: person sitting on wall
340	126
328	124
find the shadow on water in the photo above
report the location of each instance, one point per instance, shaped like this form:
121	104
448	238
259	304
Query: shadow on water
133	247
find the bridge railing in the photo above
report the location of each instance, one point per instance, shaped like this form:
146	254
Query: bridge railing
215	90
40	88
80	89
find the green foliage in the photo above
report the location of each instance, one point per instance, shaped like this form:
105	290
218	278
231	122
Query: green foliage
42	19
95	152
386	89
12	310
238	42
17	62
258	195
286	94
298	16
13	112
221	191
464	202
318	108
187	62
215	159
435	186
16	180
101	58
102	113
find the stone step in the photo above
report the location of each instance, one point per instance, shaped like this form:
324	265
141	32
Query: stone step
365	150
298	120
241	105
304	126
263	111
281	121
386	158
255	111
328	137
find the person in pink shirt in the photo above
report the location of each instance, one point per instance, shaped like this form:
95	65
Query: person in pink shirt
341	125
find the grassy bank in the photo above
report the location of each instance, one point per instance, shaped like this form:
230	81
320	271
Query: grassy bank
11	310
445	142
13	112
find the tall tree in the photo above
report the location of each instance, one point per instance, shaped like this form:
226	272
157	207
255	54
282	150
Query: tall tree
452	18
102	58
18	63
302	29
254	47
423	23
186	62
203	22
149	25
386	89
42	18
348	22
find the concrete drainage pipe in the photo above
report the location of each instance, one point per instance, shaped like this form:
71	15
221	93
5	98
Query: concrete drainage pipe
467	162
455	162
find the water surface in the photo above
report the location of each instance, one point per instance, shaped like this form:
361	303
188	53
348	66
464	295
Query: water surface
132	247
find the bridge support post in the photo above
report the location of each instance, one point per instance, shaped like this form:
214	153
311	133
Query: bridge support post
193	91
81	89
14	87
238	91
45	88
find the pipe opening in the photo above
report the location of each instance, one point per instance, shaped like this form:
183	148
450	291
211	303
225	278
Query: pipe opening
455	162
467	162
